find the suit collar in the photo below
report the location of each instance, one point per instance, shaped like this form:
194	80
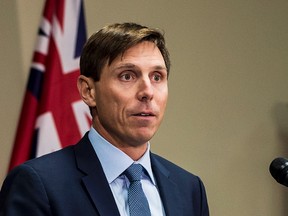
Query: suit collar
99	190
114	161
168	190
95	181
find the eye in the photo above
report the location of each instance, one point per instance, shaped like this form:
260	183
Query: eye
126	76
157	77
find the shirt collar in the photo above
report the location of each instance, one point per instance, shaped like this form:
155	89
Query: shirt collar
113	160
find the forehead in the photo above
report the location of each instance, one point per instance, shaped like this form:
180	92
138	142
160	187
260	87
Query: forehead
145	52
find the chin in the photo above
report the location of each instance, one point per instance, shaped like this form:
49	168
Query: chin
143	138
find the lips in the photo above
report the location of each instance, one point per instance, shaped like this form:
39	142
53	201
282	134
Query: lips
144	114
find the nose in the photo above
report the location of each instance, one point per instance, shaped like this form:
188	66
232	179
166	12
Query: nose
145	91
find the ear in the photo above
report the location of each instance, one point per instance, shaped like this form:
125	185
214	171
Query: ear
86	88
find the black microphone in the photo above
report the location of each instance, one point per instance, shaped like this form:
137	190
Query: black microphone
279	170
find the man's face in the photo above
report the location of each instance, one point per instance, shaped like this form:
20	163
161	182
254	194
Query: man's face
131	96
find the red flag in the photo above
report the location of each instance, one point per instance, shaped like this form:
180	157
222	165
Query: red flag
53	115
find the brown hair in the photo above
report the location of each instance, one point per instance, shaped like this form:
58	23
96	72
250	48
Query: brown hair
112	40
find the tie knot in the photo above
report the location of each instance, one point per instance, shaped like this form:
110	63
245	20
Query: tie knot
134	172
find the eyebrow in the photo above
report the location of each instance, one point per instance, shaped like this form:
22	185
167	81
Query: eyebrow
124	66
131	66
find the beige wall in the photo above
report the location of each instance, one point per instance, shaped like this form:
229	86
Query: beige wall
227	115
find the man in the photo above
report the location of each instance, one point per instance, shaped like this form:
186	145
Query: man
124	81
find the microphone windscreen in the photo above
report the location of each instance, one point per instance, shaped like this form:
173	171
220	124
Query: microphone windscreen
279	170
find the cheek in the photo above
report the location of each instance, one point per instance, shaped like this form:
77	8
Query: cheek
111	104
163	98
163	108
104	103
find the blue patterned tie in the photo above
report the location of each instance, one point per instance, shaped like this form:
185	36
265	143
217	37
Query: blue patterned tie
137	201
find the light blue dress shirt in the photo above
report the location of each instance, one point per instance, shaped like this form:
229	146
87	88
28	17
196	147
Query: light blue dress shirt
114	163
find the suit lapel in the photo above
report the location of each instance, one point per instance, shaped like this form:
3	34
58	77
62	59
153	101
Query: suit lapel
99	190
167	188
95	180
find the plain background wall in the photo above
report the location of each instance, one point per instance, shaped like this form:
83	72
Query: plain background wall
227	115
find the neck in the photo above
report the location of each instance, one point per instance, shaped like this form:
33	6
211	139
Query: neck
135	153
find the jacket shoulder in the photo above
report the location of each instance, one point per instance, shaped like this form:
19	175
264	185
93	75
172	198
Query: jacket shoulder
170	166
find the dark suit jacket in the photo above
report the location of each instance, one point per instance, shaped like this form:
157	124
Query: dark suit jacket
72	182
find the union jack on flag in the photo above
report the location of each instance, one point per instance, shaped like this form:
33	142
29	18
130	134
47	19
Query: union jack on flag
53	115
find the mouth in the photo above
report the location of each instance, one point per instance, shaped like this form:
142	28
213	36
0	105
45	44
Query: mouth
143	114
